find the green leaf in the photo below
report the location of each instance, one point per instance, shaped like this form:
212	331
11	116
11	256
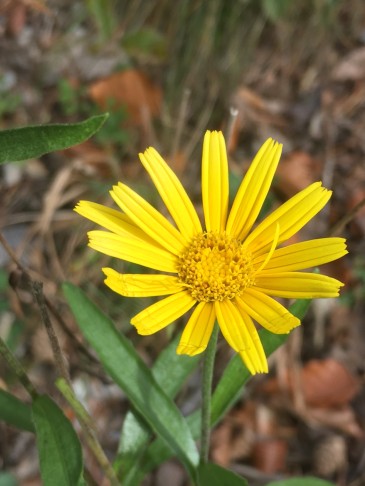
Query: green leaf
59	448
14	412
7	479
170	370
305	481
227	392
213	475
127	369
29	142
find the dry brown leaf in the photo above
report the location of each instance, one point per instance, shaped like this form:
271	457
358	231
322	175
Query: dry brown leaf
90	159
16	18
297	171
326	383
130	89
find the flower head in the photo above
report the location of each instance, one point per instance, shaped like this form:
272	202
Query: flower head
225	268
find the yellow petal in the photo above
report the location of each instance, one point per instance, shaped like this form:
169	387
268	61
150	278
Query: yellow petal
131	285
291	217
215	181
148	219
133	250
297	285
172	193
240	337
256	341
253	190
110	219
198	330
267	312
163	313
306	254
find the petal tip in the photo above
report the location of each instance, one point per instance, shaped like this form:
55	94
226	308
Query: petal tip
189	349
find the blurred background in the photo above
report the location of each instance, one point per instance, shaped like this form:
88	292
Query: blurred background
166	72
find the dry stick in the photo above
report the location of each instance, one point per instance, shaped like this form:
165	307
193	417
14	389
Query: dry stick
181	122
37	291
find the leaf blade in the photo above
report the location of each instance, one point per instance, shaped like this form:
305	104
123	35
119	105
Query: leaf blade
14	412
60	454
302	481
211	474
170	371
127	369
33	141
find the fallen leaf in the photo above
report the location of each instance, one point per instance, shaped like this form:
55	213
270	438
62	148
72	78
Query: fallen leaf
130	89
325	383
296	171
17	18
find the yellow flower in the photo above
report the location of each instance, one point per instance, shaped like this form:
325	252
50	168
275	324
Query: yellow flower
227	268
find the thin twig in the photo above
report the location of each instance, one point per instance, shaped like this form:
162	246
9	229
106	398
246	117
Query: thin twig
37	291
80	347
181	121
340	225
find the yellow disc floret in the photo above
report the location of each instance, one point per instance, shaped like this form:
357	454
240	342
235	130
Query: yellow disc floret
215	267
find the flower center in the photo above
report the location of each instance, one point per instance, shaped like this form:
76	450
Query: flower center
215	267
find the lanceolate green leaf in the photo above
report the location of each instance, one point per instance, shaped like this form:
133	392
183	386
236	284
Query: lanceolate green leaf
226	393
170	371
34	141
15	412
124	365
305	481
59	448
213	475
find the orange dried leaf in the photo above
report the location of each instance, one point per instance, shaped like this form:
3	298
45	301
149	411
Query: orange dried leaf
130	89
325	383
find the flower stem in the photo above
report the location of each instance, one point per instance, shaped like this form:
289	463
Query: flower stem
207	378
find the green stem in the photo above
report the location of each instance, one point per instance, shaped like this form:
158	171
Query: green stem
207	378
17	368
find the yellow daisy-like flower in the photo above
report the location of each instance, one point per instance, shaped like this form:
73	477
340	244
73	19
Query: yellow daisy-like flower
227	268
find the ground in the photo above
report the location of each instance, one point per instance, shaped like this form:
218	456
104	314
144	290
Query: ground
166	73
